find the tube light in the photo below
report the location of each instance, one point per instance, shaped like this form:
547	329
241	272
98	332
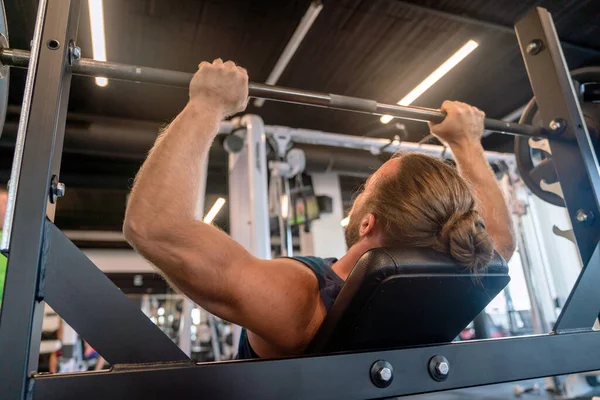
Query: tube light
434	77
102	82
214	210
98	39
285	206
345	221
307	21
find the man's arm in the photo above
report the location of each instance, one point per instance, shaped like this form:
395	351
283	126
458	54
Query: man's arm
462	130
199	259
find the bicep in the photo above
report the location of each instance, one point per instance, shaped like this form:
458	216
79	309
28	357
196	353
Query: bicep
274	299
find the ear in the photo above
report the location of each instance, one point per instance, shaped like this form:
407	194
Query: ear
367	225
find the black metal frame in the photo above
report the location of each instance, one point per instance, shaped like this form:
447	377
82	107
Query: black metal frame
340	376
45	265
21	317
576	163
122	335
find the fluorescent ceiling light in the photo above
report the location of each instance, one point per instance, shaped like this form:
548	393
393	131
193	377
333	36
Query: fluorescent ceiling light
102	82
307	21
345	221
435	76
214	210
98	39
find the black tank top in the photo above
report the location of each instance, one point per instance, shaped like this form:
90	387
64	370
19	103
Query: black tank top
330	285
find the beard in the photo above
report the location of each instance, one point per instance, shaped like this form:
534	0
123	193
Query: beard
352	231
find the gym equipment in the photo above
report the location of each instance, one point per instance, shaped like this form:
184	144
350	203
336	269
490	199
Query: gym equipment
519	390
43	265
386	301
87	67
288	164
540	177
233	143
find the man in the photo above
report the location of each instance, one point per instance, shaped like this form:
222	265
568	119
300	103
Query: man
281	303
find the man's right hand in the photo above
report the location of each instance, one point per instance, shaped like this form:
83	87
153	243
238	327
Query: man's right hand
463	124
220	85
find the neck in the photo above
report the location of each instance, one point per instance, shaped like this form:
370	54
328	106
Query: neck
344	265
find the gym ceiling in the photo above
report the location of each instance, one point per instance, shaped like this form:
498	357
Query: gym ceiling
377	49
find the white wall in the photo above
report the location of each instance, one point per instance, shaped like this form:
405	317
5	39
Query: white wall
118	260
563	261
327	232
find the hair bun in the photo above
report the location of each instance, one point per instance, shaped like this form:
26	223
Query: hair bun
467	241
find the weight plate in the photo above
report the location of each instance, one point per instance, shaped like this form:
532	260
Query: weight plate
533	172
4	70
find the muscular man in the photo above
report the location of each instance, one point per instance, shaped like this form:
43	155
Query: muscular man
412	200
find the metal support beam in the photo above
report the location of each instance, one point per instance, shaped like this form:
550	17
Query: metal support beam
20	58
106	318
248	191
582	305
374	145
576	163
338	376
39	139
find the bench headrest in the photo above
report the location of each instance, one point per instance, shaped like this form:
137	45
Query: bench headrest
407	296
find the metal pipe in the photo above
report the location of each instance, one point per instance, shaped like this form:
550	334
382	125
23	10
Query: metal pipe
87	67
22	128
511	117
288	229
374	145
275	194
214	337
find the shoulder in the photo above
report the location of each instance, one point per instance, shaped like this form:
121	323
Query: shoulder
288	298
284	281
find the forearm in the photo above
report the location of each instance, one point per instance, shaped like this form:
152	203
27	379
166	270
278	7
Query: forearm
166	187
160	214
474	167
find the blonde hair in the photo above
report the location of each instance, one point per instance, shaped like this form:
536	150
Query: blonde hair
426	203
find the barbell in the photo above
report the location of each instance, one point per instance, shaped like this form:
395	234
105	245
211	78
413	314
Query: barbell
534	174
88	67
